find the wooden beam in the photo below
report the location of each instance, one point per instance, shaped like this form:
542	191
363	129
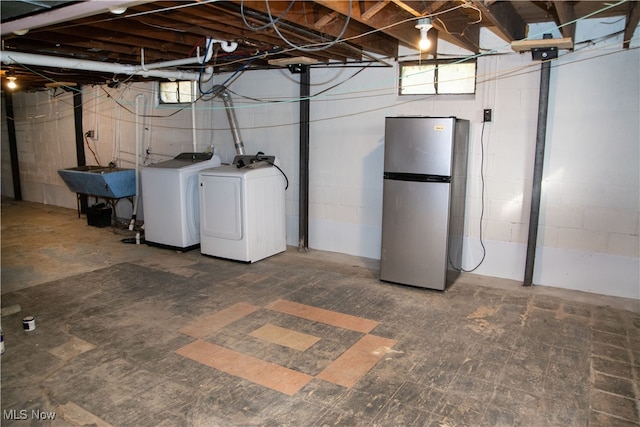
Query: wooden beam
298	15
633	17
325	20
566	14
407	8
548	9
505	17
527	45
379	20
368	14
406	34
458	31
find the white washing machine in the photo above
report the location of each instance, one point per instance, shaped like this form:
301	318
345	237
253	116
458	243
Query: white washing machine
242	210
170	200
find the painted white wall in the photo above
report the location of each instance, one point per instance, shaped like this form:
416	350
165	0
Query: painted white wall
588	237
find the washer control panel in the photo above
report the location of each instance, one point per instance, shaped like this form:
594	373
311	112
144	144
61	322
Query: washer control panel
194	157
253	160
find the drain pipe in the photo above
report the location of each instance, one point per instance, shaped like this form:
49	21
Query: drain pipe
233	122
177	62
132	223
22	58
193	118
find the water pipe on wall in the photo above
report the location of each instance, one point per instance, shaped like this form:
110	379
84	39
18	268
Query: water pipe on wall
137	161
185	61
193	117
22	58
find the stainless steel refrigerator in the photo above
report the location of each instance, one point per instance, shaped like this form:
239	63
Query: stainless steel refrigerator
424	190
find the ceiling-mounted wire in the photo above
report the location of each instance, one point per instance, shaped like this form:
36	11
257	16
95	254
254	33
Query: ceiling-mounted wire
271	20
474	7
320	46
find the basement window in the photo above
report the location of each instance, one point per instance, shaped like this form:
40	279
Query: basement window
178	92
437	77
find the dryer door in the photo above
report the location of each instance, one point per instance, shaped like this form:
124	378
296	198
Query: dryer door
221	206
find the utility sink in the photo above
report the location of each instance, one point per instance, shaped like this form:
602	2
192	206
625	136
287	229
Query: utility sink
100	181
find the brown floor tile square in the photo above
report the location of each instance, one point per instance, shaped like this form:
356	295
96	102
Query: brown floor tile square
347	369
333	318
267	374
286	337
210	323
72	348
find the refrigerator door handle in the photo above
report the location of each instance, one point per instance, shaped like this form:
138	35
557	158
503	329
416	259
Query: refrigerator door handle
417	177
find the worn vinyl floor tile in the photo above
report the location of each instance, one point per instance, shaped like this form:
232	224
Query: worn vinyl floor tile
253	369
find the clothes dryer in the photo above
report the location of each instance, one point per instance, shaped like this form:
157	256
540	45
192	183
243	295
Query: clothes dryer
170	200
242	210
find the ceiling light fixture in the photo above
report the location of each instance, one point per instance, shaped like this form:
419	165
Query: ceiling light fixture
12	82
424	25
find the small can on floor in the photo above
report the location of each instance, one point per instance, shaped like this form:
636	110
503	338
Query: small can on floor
29	323
1	341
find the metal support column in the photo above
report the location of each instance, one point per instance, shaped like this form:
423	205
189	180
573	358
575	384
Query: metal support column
303	224
13	146
80	158
543	108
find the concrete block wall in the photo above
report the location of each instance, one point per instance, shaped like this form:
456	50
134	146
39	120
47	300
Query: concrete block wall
45	141
590	207
6	181
588	236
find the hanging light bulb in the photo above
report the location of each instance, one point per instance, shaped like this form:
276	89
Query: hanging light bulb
424	25
11	84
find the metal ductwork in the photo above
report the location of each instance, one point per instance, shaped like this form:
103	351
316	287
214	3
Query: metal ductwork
233	122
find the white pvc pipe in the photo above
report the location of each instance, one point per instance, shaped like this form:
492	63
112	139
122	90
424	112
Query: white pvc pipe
63	14
106	67
137	160
193	118
185	61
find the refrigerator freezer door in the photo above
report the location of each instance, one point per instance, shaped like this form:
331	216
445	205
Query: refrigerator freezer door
419	145
415	219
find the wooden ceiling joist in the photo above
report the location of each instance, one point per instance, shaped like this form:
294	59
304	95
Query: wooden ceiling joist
344	31
505	18
377	7
410	8
325	20
567	16
633	18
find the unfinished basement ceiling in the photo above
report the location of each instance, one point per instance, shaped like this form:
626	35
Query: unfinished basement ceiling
338	32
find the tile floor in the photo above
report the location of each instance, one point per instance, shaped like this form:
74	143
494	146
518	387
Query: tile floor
130	335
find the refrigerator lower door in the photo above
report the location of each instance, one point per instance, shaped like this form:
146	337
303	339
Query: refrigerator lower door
415	220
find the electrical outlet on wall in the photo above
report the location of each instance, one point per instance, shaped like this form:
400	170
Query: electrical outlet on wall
487	115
